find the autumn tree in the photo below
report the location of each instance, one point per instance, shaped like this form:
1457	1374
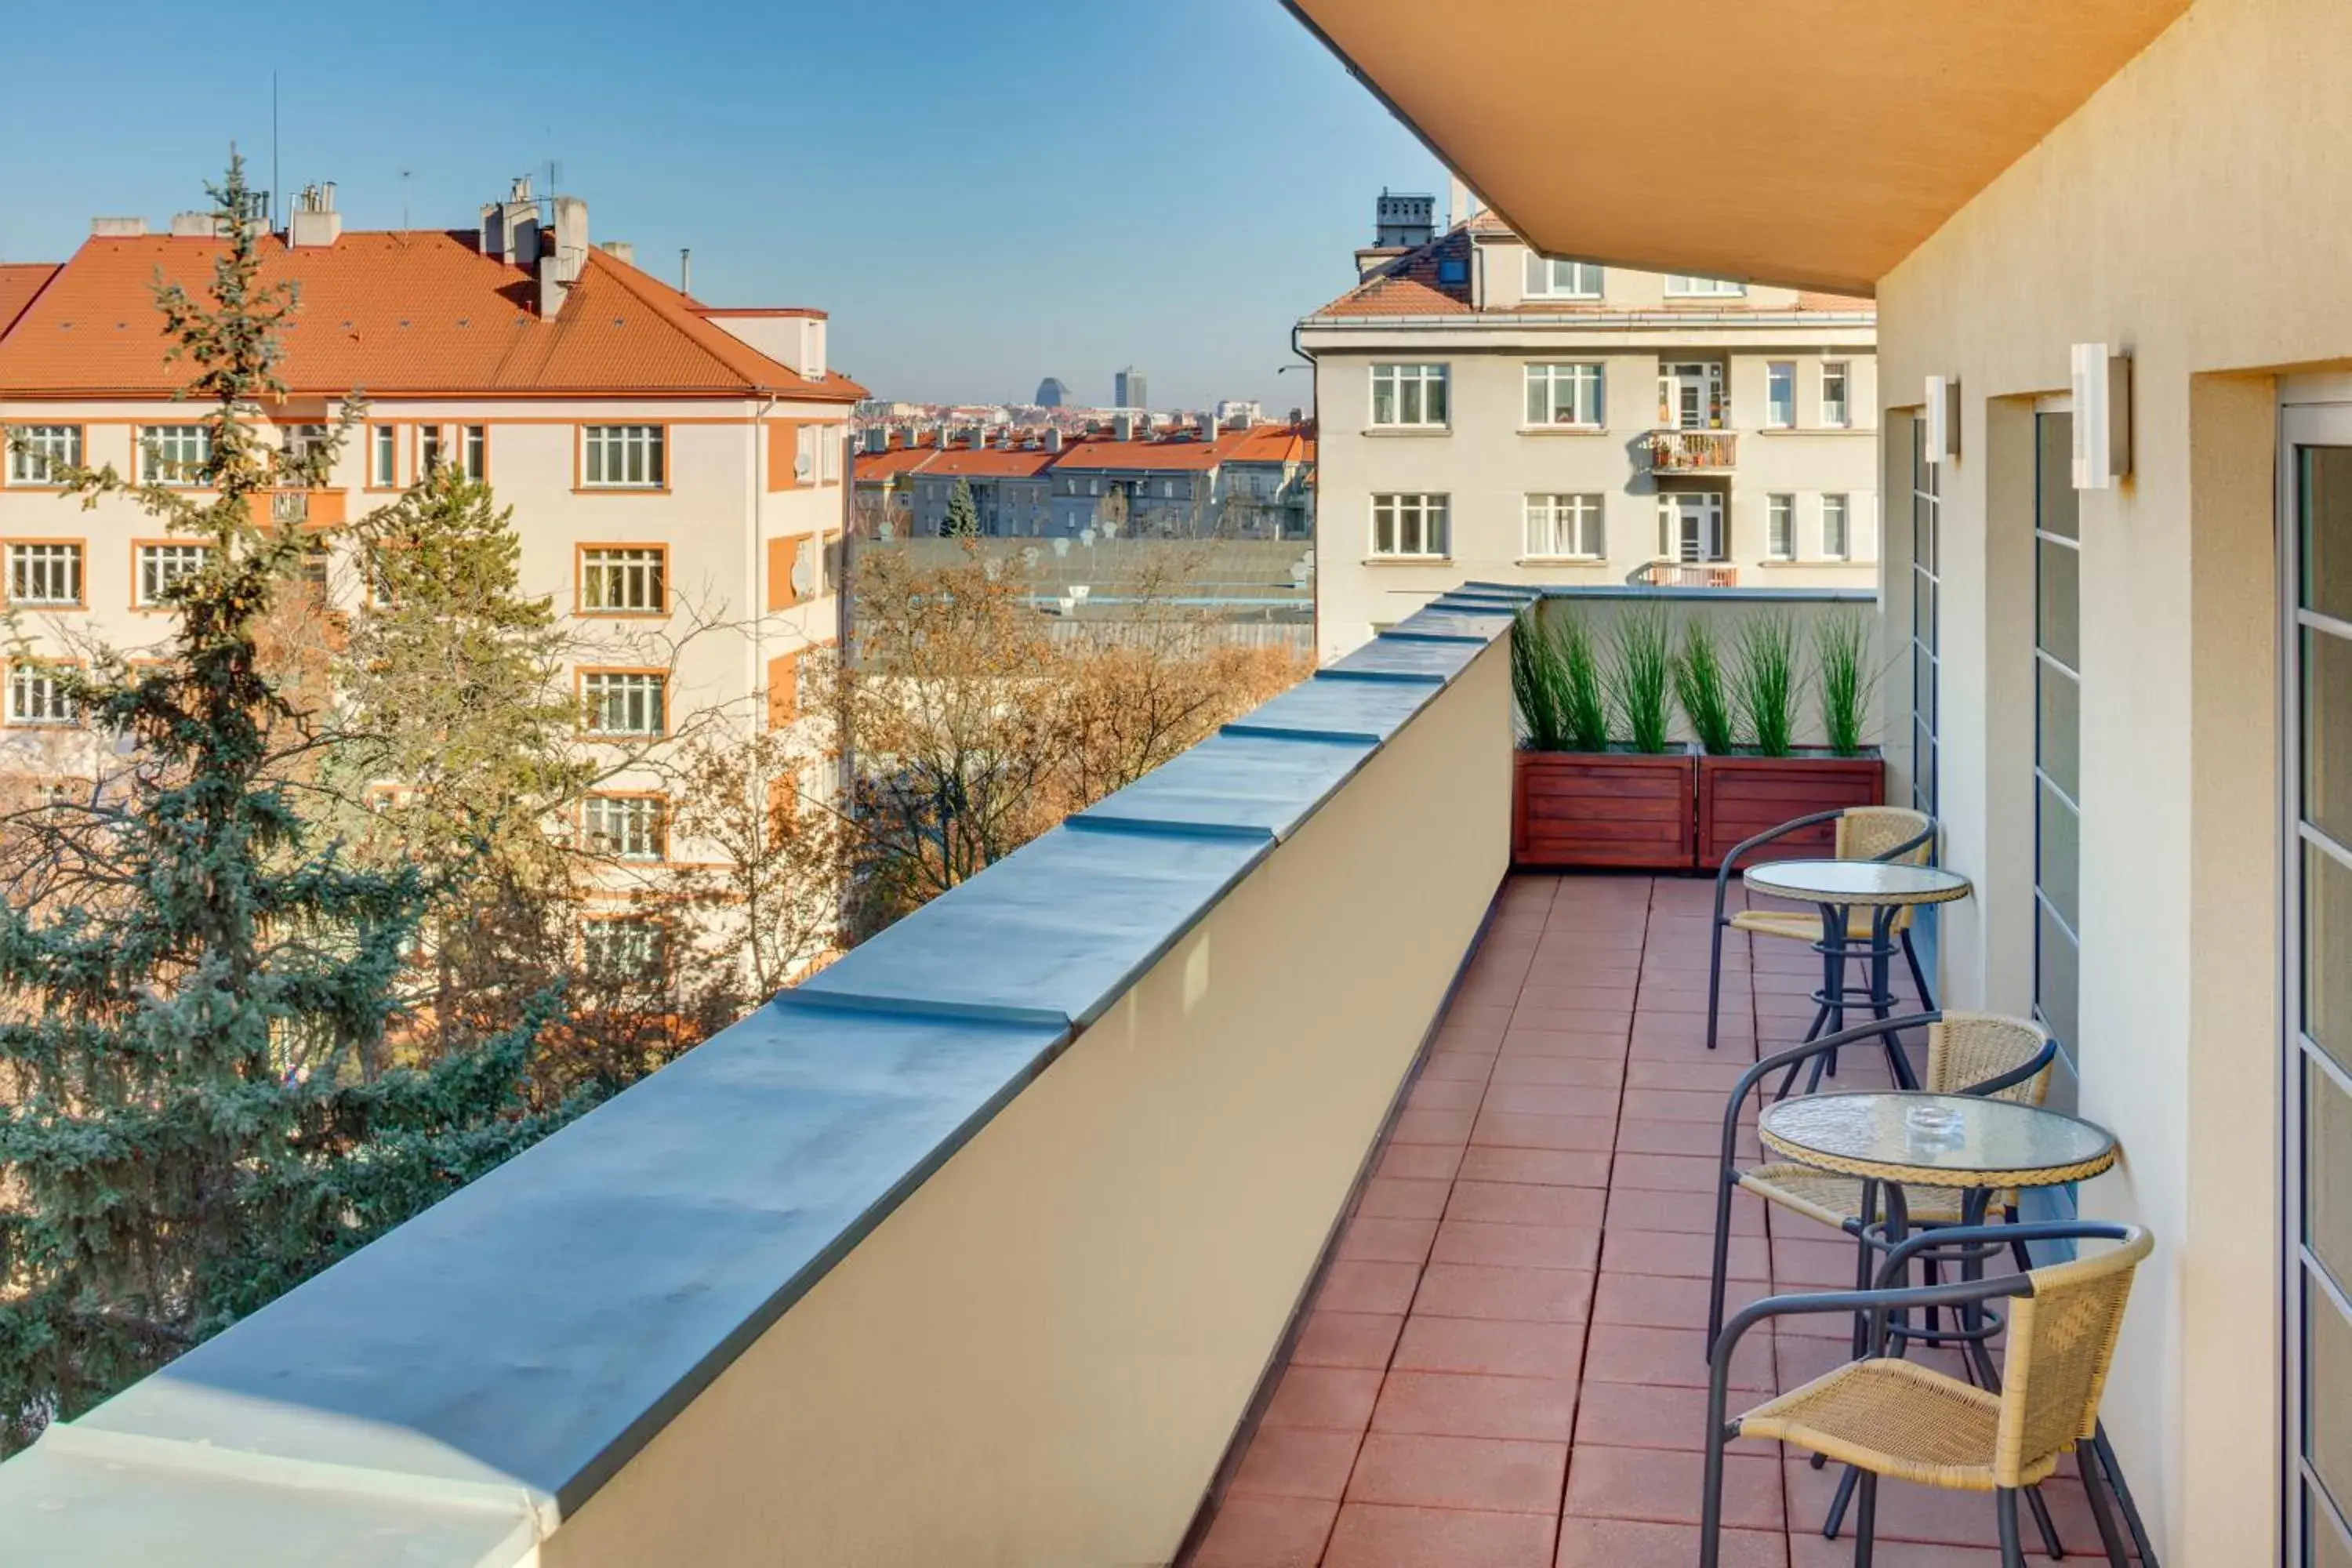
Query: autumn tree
764	887
189	1026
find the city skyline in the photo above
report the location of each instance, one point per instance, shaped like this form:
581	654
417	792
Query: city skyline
815	193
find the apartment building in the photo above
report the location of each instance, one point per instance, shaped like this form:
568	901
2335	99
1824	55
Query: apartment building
1008	485
673	468
1495	414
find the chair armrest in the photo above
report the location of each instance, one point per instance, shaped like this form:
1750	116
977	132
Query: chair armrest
1731	861
2023	1072
1795	1054
1899	1256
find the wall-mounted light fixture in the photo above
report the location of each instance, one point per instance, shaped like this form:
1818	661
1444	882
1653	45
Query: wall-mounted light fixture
1943	417
2102	416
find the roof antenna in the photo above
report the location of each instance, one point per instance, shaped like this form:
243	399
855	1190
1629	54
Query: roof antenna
403	205
277	191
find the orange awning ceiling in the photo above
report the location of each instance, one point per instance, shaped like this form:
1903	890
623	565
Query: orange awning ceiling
1809	143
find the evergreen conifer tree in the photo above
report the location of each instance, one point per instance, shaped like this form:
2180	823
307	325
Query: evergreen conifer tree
963	521
188	1122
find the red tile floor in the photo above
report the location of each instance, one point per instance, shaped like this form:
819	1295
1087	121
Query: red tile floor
1505	1365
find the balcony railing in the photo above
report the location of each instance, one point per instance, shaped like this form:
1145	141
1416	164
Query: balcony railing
1691	451
1689	574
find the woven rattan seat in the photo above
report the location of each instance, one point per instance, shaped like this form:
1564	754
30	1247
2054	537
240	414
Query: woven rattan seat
1836	1201
1798	925
1898	1419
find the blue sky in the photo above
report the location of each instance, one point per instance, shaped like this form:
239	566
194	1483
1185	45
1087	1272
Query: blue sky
980	197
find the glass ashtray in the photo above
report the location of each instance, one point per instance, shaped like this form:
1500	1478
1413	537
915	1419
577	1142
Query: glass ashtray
1934	1126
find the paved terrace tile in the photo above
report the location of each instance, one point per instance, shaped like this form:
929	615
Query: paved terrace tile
1504	1365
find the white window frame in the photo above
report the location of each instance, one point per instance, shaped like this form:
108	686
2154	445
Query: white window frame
1837	406
36	570
1409	390
155	567
383	456
1781	394
1561	527
474	452
625	826
43	445
1549	278
1712	544
1685	286
34	700
646	957
623	457
1585	384
171	454
1418	517
638	698
1781	527
431	447
1837	527
625	579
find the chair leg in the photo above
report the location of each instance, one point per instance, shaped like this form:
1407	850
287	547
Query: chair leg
1865	1520
1713	982
1839	1501
1722	1261
2112	1467
2095	1487
1918	975
1931	1275
1710	1507
2016	1249
2044	1523
2004	1504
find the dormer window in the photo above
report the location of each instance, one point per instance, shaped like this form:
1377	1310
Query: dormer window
1547	278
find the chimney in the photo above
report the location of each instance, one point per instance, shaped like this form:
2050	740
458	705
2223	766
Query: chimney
1122	425
620	250
980	437
1053	438
128	228
1208	426
191	225
510	229
878	439
314	221
560	264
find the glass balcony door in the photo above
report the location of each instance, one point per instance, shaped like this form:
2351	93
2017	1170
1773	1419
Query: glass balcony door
2057	731
2316	592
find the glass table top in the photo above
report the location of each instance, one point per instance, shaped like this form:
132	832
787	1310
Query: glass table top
1857	882
1955	1136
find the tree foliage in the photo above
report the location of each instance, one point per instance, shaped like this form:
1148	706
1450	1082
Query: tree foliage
963	521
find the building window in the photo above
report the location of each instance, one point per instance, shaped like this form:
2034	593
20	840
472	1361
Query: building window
1690	395
1409	394
1565	526
1924	584
173	454
1549	280
428	450
625	826
44	574
36	450
474	452
621	457
1780	528
1679	286
624	580
1780	396
623	702
383	456
2057	737
36	696
618	951
300	440
1834	406
160	565
1564	394
1690	526
1409	525
1837	529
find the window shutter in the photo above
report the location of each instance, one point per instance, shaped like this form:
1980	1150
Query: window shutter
783	690
783	454
783	555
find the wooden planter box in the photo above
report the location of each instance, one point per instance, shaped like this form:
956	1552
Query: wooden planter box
1739	797
1603	808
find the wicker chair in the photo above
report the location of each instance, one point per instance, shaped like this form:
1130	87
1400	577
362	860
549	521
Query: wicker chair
1863	833
1968	1053
1889	1417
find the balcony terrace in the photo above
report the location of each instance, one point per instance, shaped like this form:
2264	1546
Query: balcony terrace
1248	1172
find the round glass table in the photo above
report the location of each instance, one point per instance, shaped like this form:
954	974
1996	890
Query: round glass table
1886	888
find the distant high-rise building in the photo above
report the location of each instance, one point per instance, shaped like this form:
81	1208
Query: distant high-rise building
1130	390
1052	393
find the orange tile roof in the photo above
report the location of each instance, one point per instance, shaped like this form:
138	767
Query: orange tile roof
989	462
1103	452
1409	286
421	311
865	467
20	282
1262	444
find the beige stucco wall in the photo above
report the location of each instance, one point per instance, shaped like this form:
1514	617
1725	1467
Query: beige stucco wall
2189	214
1041	1357
1488	462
